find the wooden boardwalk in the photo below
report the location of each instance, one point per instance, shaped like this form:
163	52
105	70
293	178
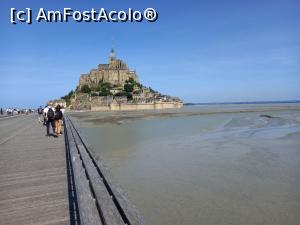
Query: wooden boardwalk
47	180
33	174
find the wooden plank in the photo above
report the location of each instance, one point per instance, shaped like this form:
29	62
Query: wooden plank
127	208
130	210
108	208
88	211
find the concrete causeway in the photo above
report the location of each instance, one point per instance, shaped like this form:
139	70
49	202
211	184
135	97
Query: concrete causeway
33	174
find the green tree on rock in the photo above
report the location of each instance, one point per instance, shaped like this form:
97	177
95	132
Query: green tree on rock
128	87
85	89
68	97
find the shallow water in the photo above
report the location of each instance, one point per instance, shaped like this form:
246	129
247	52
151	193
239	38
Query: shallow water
233	168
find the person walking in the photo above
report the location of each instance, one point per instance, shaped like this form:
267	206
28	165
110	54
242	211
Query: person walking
45	111
58	120
50	120
40	113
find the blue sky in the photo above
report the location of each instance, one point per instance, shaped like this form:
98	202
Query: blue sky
201	51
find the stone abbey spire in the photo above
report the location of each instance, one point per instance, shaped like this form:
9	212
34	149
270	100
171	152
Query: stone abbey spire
112	55
116	64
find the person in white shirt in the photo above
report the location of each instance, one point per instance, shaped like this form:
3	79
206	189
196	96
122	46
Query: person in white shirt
45	111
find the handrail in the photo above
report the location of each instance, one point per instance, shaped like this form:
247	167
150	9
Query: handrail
93	181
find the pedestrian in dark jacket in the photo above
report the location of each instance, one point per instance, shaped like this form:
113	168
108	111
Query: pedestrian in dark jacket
50	119
58	120
40	113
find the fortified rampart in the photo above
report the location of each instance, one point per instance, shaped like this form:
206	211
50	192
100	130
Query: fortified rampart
137	106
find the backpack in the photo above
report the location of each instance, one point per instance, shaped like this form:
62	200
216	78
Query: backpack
50	114
58	115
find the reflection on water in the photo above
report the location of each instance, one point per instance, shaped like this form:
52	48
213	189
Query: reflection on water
208	169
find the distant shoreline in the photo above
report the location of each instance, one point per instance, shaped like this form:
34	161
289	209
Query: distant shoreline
118	117
242	103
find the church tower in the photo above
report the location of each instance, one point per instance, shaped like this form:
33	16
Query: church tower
112	55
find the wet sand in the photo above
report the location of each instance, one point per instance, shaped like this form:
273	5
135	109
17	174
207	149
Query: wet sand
204	165
123	116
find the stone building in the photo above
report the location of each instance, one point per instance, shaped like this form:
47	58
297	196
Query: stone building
116	73
60	102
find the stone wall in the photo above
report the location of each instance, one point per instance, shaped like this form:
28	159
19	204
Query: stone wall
144	106
168	105
81	102
107	103
100	108
101	100
60	102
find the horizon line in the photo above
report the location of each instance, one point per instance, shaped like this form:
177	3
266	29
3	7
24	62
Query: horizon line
243	102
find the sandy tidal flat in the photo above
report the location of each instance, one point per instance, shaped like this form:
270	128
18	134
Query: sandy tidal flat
203	165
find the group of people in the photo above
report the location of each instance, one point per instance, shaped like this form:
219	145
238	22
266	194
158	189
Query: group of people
51	116
14	111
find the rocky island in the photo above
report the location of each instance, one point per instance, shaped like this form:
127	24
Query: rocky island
114	86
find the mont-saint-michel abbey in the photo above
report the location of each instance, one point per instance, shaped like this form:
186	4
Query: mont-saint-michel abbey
114	86
116	73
